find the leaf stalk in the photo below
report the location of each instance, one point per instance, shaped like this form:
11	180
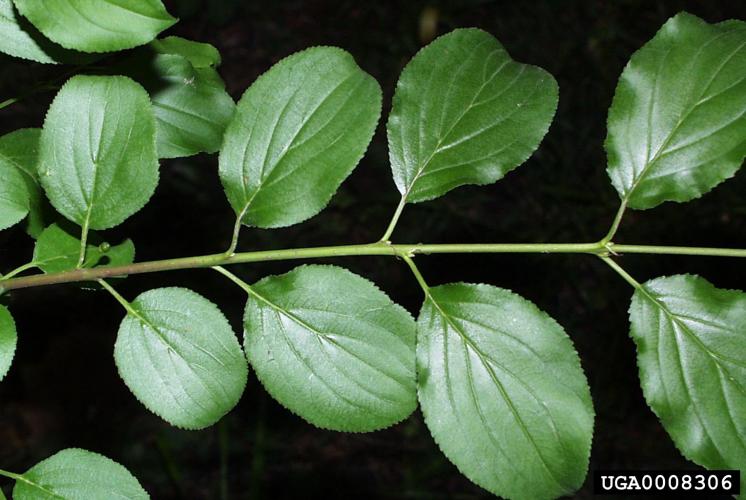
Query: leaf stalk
394	219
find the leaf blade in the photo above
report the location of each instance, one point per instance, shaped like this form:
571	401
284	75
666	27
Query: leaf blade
192	108
79	474
305	122
492	393
98	162
19	42
692	360
103	26
676	129
57	251
200	55
15	198
8	341
465	113
332	348
178	355
20	150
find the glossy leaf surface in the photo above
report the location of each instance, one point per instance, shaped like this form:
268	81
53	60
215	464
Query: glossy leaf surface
19	39
8	341
178	354
503	392
79	475
97	25
332	348
465	113
691	351
298	132
192	108
98	161
677	125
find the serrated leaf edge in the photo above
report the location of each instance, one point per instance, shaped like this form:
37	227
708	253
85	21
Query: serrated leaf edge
158	413
576	357
263	382
244	212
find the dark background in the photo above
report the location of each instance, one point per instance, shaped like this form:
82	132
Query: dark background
63	389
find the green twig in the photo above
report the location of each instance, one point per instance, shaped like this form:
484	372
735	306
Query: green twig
380	248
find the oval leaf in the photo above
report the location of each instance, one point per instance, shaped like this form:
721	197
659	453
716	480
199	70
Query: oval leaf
691	351
465	113
8	341
98	161
179	356
503	392
80	475
677	125
100	26
20	150
332	348
298	132
192	108
58	251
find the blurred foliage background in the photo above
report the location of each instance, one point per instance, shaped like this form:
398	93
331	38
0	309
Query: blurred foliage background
63	390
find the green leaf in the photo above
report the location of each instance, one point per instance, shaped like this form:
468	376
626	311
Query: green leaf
200	55
58	251
19	150
98	161
465	113
79	475
677	125
179	356
298	132
691	351
332	348
8	341
192	108
100	26
15	198
116	255
503	392
19	39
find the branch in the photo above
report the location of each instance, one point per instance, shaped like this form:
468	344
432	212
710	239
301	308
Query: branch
379	248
